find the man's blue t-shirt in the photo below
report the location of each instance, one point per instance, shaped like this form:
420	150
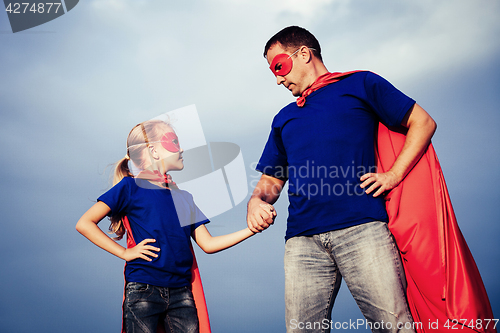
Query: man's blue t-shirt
152	214
323	148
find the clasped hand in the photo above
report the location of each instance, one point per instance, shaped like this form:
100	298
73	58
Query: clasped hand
260	216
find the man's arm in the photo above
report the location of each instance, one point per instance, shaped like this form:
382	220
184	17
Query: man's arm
421	128
260	212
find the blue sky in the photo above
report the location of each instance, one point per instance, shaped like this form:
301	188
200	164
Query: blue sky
71	89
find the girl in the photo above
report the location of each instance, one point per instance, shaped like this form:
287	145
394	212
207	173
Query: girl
160	219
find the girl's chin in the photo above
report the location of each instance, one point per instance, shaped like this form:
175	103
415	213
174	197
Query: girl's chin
177	168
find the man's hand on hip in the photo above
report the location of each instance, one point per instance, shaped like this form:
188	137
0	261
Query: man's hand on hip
381	182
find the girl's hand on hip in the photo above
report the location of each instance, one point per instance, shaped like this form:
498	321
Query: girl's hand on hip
141	250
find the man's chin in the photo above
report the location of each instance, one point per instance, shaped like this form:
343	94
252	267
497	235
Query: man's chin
295	91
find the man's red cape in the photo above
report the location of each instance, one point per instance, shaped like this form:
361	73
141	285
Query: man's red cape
445	290
444	283
196	286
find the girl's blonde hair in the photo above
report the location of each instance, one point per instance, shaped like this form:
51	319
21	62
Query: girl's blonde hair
138	153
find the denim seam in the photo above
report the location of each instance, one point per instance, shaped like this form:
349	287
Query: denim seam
318	240
395	255
167	318
329	306
328	303
140	322
170	327
165	295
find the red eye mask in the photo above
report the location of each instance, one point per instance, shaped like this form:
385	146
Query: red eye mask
170	142
282	64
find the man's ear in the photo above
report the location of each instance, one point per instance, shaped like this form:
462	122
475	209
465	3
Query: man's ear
153	152
305	54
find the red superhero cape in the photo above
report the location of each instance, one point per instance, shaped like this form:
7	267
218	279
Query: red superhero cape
197	287
444	283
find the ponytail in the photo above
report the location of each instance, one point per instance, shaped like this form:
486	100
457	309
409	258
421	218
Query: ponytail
121	171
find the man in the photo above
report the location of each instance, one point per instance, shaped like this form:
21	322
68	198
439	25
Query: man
323	145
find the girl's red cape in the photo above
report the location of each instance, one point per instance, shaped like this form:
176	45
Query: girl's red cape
445	290
196	286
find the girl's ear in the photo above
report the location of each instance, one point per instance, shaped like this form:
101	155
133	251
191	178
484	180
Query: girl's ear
153	152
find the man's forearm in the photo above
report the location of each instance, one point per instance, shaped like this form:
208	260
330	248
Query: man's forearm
268	189
421	128
260	212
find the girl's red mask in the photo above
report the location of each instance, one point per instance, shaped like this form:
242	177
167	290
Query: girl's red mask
170	142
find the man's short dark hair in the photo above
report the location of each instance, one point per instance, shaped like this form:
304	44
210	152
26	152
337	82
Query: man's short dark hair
294	37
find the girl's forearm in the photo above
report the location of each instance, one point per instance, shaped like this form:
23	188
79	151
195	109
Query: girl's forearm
94	234
223	242
211	244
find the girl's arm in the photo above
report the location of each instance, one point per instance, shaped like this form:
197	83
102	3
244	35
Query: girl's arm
87	226
211	244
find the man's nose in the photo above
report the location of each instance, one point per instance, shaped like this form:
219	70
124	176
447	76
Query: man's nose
279	79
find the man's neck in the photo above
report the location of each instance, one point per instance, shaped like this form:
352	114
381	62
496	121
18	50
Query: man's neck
317	70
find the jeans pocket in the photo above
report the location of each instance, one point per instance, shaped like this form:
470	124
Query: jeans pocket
138	292
136	287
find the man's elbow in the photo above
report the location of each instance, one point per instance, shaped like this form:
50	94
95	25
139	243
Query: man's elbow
420	120
423	123
431	126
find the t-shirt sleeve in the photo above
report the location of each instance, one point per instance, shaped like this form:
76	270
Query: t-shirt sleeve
117	197
199	217
273	161
389	103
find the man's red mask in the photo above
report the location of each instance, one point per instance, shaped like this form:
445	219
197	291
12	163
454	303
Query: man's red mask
282	64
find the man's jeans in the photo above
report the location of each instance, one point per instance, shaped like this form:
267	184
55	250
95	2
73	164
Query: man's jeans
367	258
146	305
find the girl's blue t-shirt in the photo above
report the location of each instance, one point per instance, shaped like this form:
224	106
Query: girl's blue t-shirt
169	217
323	148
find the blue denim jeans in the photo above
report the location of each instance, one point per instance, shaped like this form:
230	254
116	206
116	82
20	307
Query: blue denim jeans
146	306
367	258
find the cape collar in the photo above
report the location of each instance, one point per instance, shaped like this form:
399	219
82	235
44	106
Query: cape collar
321	82
156	176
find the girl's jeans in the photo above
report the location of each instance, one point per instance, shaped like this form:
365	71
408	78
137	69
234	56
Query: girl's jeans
367	258
146	305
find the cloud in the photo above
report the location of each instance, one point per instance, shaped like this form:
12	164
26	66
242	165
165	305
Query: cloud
412	38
